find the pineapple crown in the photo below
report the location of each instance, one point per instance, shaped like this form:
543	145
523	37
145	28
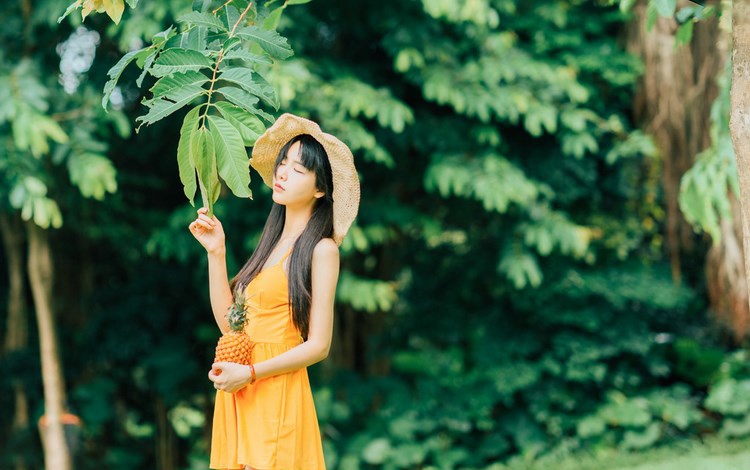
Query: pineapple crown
237	313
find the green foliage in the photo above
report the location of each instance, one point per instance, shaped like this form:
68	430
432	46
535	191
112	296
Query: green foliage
642	421
704	189
729	395
189	67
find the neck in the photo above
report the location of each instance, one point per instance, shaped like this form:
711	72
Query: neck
295	221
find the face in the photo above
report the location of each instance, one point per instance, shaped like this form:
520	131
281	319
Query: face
293	184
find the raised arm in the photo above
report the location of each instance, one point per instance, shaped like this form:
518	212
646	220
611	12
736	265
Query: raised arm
325	273
210	233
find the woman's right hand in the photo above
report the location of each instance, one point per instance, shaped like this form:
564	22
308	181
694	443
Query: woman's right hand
208	231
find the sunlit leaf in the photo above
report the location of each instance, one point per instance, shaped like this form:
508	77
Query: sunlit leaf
270	41
166	105
203	19
116	70
179	60
249	127
170	83
185	161
231	156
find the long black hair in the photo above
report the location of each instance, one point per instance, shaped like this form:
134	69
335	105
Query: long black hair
313	157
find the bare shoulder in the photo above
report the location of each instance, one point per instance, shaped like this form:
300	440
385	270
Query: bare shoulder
326	250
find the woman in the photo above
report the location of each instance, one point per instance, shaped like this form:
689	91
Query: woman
264	416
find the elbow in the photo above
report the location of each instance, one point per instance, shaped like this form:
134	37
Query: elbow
320	352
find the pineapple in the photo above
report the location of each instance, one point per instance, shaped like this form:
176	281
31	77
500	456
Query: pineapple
235	346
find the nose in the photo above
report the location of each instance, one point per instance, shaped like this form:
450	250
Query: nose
281	172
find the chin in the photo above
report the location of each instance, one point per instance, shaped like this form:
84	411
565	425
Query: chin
277	199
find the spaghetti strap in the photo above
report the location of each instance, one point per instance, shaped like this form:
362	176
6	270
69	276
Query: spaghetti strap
288	252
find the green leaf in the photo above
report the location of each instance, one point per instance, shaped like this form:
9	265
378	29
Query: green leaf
243	77
231	156
232	16
171	83
297	2
626	5
163	36
148	61
591	426
376	451
640	439
684	33
185	159
521	268
195	39
665	7
249	126
736	427
163	107
203	19
93	174
272	20
230	44
652	14
270	41
241	54
71	8
240	97
115	72
202	149
686	13
179	60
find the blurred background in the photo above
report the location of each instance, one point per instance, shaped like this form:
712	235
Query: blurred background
546	270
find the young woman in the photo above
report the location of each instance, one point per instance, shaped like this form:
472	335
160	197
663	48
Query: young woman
264	416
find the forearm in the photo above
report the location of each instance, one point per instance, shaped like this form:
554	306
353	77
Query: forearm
306	354
218	286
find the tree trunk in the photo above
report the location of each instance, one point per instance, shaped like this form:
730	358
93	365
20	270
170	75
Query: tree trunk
673	104
165	438
739	120
725	276
56	452
17	332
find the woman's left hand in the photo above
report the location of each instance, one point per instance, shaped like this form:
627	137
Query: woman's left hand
229	376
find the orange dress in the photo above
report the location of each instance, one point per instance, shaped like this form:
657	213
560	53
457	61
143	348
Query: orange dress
271	424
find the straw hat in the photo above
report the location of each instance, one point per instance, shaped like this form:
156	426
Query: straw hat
345	179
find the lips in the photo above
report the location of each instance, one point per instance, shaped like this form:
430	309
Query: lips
278	186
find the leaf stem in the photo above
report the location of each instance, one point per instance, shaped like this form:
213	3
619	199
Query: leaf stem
218	62
239	20
227	3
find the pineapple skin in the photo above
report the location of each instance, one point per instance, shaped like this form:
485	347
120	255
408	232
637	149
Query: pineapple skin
234	346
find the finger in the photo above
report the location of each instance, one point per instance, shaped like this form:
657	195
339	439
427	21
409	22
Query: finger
202	210
204	225
206	219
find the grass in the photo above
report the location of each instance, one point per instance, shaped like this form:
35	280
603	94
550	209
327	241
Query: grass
713	454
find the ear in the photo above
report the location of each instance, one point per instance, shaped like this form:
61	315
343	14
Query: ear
319	194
